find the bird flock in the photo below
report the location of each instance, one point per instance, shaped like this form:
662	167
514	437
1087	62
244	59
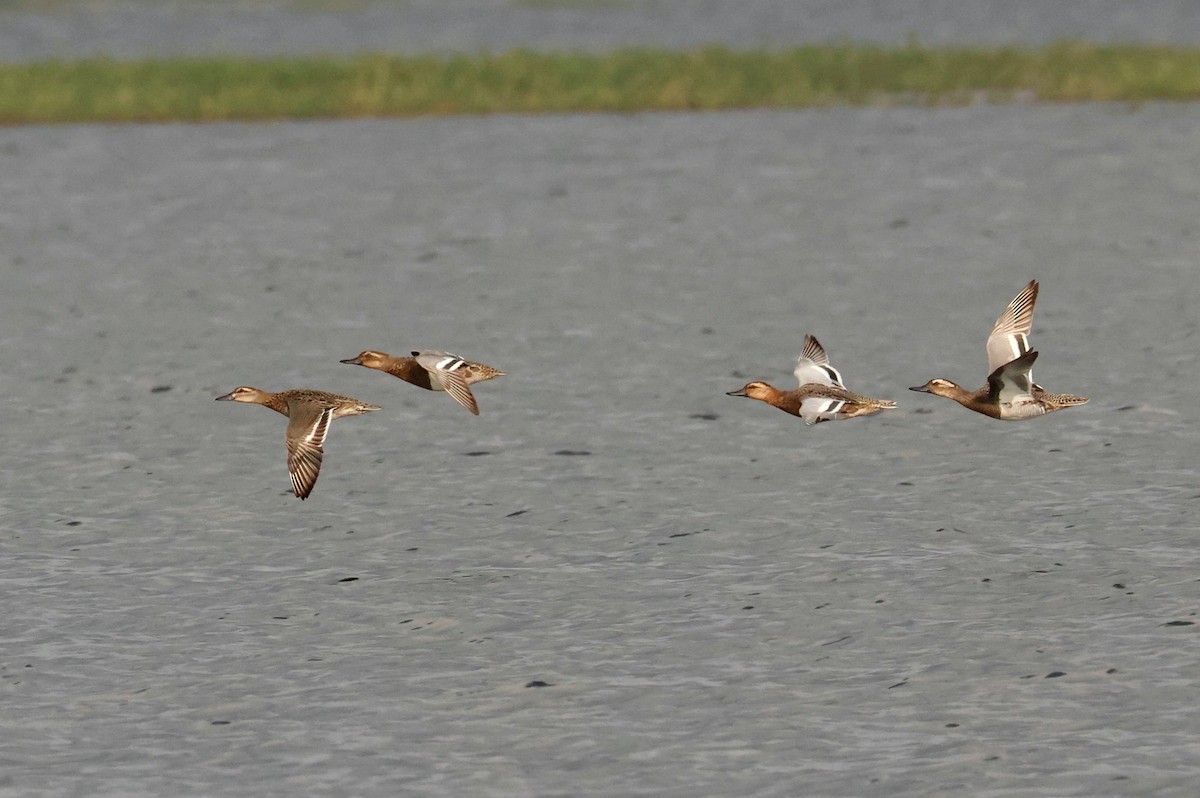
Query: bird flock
310	412
1009	395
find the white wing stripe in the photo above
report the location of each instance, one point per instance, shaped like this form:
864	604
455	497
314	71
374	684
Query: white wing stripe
316	434
832	372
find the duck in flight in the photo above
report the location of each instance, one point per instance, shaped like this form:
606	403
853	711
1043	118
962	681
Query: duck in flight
1010	393
433	370
309	415
822	396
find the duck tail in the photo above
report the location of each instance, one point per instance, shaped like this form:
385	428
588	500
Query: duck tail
1057	400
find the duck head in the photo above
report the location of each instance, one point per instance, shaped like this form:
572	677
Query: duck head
243	394
939	387
369	358
753	390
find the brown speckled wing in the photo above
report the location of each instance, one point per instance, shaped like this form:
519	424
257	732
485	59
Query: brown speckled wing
306	433
455	384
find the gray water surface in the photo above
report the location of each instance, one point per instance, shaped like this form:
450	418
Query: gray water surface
721	600
39	29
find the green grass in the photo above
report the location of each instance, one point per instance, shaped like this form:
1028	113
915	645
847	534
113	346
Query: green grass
522	81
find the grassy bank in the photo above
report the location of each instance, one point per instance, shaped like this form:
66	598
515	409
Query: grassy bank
209	89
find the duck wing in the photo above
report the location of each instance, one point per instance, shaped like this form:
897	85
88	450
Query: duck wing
307	427
1009	339
812	367
815	409
1012	382
449	371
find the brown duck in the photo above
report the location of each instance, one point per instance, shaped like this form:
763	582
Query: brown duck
821	396
1010	393
432	370
309	415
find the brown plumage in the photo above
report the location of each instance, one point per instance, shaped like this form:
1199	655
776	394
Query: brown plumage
432	370
309	416
855	404
822	396
1010	393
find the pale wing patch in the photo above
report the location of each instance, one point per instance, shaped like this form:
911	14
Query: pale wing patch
451	374
820	408
1009	339
812	367
1011	382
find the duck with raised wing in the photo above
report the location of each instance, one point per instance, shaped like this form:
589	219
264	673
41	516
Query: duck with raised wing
432	370
822	396
1010	393
309	415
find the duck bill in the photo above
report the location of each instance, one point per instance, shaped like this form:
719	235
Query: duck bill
738	392
921	389
353	361
226	398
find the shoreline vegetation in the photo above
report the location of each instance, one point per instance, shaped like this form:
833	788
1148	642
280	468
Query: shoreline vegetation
212	89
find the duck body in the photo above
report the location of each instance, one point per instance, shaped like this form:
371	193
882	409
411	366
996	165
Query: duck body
309	415
433	370
822	396
1039	401
1010	393
815	403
